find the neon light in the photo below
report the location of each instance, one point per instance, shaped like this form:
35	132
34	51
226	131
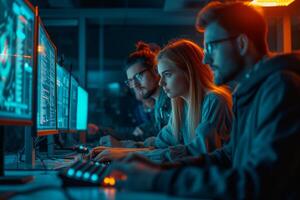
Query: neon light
86	175
272	3
78	174
41	49
109	181
94	177
15	55
71	172
106	180
112	182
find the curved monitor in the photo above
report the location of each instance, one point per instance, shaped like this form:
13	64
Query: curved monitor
82	109
17	28
46	83
62	82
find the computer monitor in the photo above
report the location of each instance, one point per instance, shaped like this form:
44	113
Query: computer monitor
62	82
17	25
73	104
17	60
82	109
46	83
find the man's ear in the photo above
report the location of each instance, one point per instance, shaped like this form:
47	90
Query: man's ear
243	44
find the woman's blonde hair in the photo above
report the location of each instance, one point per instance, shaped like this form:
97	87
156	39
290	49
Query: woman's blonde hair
188	56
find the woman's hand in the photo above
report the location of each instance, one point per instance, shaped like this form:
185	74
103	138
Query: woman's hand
111	154
109	141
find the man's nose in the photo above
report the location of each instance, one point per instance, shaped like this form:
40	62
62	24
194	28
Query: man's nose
207	59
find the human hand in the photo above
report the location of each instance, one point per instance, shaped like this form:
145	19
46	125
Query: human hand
131	176
110	154
109	141
92	129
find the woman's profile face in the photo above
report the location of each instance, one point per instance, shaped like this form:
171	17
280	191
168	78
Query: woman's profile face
173	79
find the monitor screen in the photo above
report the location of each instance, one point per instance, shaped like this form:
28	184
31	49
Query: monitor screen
17	22
62	82
73	104
46	87
82	109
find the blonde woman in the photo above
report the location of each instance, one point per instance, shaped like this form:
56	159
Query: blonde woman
201	111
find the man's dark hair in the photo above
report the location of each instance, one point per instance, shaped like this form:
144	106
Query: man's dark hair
144	54
236	18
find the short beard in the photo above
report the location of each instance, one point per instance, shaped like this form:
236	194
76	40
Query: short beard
150	93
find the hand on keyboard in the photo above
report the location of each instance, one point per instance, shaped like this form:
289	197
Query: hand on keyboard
86	173
132	176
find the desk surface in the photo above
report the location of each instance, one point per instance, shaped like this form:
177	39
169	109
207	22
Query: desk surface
52	189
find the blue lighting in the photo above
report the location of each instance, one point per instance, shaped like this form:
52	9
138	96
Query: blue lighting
78	173
94	177
86	175
71	172
82	109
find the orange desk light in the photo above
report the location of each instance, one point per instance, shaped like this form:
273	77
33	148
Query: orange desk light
109	181
272	3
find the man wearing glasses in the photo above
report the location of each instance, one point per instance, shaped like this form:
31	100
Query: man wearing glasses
262	159
143	79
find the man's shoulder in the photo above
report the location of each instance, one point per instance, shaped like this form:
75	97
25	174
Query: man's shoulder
280	86
285	77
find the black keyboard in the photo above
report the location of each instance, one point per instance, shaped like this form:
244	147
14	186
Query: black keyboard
86	173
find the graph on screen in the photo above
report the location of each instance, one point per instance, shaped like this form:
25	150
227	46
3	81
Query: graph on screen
17	21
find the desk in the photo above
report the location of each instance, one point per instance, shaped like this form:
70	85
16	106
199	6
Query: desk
50	180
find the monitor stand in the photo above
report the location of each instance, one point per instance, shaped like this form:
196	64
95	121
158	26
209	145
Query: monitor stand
50	145
29	149
8	180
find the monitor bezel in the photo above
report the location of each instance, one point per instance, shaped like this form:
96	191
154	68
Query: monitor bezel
69	74
43	132
22	121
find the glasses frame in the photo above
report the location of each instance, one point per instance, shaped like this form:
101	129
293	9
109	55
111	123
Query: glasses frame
138	77
208	47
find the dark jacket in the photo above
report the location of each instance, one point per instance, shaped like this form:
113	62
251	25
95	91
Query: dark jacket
162	109
262	160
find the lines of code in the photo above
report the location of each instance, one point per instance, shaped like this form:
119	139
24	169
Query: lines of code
46	115
63	81
73	104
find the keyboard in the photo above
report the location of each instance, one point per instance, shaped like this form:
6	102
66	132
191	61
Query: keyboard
86	173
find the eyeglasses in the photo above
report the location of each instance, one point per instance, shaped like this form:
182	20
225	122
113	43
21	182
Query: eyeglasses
208	47
137	77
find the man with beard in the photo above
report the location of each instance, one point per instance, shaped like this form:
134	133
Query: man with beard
143	78
262	159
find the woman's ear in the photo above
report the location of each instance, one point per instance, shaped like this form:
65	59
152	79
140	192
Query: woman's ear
243	44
